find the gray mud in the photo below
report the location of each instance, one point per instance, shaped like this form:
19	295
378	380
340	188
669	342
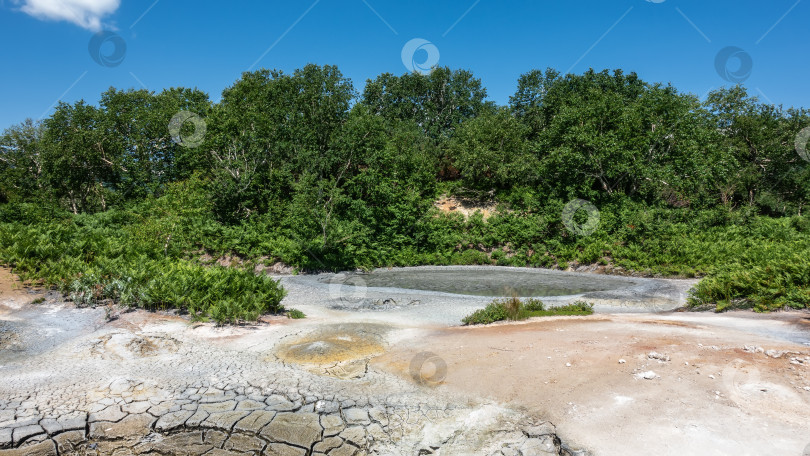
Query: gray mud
423	294
484	281
39	328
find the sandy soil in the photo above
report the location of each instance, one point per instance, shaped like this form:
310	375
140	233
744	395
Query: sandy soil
14	294
449	204
713	397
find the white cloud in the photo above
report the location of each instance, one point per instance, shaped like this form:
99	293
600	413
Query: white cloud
84	13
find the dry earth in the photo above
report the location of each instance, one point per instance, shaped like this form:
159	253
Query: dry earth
717	388
155	384
386	382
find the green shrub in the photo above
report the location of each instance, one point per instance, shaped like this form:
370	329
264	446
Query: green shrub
494	311
779	284
516	309
93	259
575	308
533	305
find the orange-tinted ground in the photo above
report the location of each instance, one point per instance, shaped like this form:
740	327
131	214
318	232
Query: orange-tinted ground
712	397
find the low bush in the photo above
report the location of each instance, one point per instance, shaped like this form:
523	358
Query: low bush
573	309
515	309
94	261
781	284
494	311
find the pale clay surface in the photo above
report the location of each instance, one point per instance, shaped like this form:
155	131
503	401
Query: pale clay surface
341	381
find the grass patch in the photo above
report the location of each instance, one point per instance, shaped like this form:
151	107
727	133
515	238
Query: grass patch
515	309
574	309
295	314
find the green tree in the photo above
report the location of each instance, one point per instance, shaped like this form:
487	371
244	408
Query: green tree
269	130
438	102
770	174
21	162
585	149
491	152
137	123
391	180
605	136
79	161
528	101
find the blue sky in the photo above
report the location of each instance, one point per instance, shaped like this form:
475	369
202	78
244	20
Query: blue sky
208	44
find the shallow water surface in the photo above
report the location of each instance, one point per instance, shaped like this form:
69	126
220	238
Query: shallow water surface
491	282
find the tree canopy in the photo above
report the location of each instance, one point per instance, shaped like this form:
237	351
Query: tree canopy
306	169
277	140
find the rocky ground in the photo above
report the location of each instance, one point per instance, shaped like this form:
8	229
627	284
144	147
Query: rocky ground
390	377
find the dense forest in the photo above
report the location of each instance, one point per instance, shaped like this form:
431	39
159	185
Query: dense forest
129	201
